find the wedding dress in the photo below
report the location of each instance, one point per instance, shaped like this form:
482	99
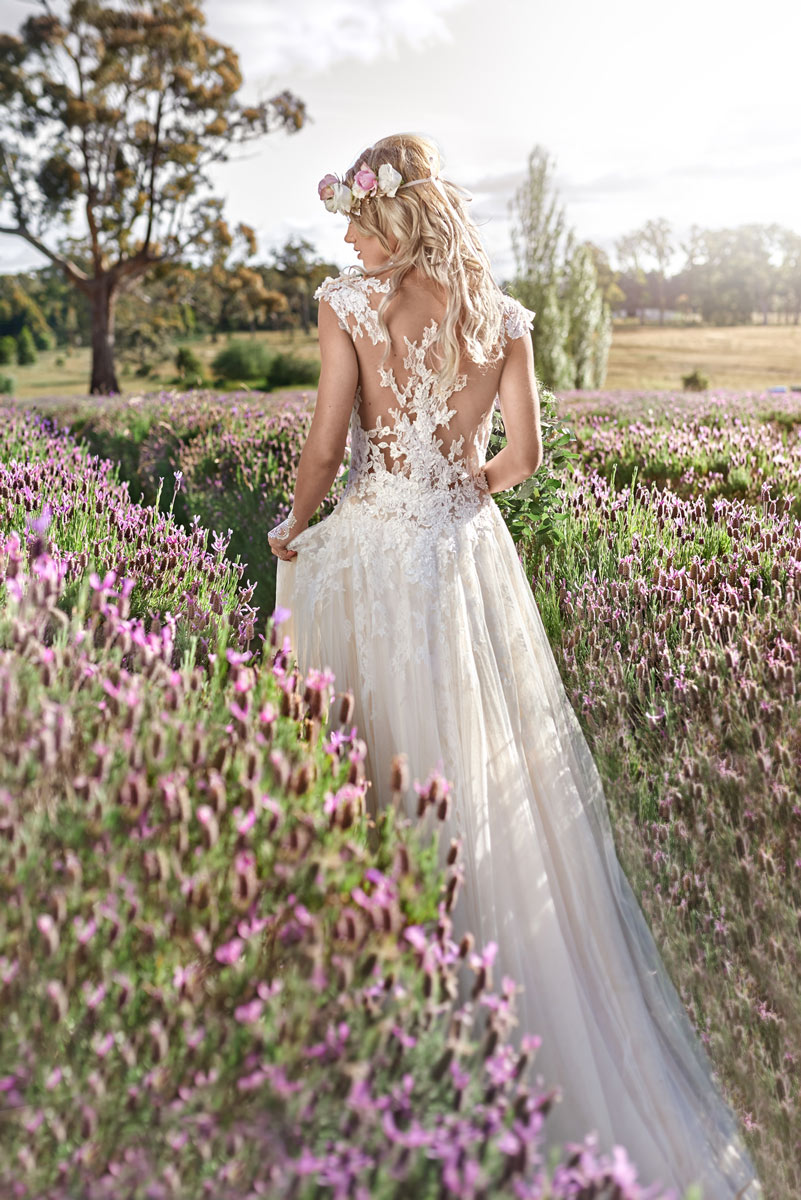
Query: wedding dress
412	593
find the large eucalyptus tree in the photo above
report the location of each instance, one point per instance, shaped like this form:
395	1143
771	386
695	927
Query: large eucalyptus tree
120	108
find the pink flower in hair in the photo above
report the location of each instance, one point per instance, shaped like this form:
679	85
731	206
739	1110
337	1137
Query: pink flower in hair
325	187
365	182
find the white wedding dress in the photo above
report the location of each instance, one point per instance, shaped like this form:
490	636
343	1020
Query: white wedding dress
412	592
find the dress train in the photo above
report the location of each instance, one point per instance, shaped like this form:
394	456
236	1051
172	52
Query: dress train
441	641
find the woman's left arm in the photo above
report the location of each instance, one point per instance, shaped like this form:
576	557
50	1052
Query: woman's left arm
324	447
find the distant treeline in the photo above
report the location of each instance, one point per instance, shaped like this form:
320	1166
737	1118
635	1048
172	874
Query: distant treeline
730	277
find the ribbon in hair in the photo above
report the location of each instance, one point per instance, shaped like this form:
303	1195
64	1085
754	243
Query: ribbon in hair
435	179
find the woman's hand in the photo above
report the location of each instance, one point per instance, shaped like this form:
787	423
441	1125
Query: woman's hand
280	537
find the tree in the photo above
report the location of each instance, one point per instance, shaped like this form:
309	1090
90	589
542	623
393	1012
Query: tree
123	109
790	274
629	249
590	332
607	276
539	226
149	320
297	270
654	237
730	273
227	293
19	309
559	281
26	347
538	231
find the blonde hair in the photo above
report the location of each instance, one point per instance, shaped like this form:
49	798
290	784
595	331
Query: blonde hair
431	239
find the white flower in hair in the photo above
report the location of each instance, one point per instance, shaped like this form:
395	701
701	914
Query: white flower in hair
340	200
389	179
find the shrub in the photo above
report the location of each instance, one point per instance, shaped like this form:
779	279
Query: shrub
6	385
288	370
26	347
242	360
695	382
190	368
95	527
43	339
8	350
237	461
534	511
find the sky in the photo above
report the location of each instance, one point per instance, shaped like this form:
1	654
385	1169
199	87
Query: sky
688	111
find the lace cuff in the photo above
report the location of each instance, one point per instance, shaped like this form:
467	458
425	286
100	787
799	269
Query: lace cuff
518	320
283	530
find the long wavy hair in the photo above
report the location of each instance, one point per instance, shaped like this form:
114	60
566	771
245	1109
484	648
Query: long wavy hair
429	238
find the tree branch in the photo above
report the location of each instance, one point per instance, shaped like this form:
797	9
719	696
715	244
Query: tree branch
75	274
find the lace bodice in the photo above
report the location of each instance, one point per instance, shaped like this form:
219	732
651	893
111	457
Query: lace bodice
409	452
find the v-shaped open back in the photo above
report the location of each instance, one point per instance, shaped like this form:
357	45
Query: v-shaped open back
405	423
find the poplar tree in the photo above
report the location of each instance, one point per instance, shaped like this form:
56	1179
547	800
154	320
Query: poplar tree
558	279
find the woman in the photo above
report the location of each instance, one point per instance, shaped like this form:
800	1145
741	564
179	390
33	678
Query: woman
412	592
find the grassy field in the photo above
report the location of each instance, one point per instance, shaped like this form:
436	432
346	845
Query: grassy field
751	357
69	376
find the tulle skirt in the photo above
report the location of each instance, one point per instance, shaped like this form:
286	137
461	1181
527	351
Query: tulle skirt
434	628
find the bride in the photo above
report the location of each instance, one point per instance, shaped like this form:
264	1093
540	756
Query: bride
412	593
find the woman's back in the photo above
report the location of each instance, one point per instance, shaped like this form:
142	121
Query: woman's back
405	422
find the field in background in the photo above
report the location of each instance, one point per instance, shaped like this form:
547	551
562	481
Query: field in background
49	378
751	357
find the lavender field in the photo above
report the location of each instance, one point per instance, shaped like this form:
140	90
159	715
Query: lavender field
219	980
673	604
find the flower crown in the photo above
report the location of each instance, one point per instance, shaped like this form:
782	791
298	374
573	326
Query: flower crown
339	198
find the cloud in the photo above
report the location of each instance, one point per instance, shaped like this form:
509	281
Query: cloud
732	170
504	184
501	188
314	35
493	191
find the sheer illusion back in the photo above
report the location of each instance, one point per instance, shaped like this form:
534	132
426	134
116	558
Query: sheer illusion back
412	592
404	422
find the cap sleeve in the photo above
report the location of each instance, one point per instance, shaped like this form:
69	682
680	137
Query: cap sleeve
335	291
517	319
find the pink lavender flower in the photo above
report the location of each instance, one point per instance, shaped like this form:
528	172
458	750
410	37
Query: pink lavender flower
230	952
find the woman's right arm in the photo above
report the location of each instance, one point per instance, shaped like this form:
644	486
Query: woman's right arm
520	409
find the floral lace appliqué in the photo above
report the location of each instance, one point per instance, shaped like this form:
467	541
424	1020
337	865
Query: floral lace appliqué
350	295
518	320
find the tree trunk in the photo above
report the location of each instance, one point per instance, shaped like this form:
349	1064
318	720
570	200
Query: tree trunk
104	376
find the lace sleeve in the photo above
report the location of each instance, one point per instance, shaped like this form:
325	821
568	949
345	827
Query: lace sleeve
349	296
517	319
333	290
